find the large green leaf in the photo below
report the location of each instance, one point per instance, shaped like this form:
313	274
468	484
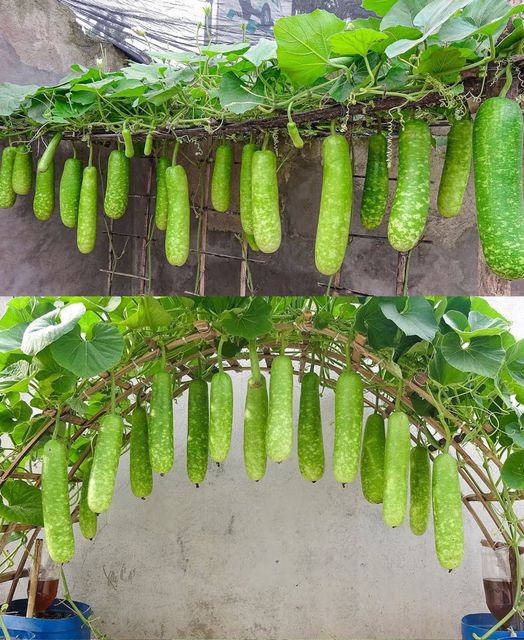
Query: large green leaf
402	14
21	503
414	316
483	355
438	61
381	333
303	47
380	7
475	325
150	313
428	20
14	95
236	97
442	372
484	17
263	51
515	362
249	322
50	327
15	377
357	42
87	358
11	339
512	471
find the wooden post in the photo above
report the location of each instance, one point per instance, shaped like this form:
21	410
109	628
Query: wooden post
33	580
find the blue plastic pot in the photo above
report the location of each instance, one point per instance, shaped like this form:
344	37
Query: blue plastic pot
480	623
70	628
19	635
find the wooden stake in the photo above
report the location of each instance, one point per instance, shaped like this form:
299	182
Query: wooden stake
33	580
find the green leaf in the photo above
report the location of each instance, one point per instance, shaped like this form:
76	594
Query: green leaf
515	362
50	327
21	503
87	358
402	14
380	7
429	20
486	17
370	321
512	471
442	372
475	325
150	313
303	48
249	322
483	356
12	96
438	61
236	97
414	316
263	51
225	49
514	431
11	339
356	43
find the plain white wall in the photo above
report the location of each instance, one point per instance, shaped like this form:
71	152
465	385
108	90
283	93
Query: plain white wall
282	558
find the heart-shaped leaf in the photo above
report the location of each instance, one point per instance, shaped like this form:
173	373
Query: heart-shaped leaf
515	362
249	322
358	42
512	471
50	327
150	313
87	358
483	355
11	339
263	51
414	316
21	503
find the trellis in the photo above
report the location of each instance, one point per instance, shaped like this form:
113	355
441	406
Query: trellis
474	85
480	497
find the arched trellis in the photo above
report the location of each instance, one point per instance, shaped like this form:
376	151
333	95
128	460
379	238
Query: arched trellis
479	499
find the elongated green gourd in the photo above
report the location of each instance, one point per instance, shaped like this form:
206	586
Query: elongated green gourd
7	193
161	206
140	472
410	211
87	211
178	216
336	205
349	414
376	184
447	512
280	415
372	463
497	153
220	416
420	490
48	157
105	463
55	502
161	432
396	469
265	202
457	168
23	171
44	198
255	424
246	186
221	180
310	439
197	431
87	519
117	186
70	186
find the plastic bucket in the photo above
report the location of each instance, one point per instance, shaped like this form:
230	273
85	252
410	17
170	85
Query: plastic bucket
19	635
70	628
481	623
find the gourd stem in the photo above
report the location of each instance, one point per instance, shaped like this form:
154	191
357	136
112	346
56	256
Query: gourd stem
255	364
508	83
175	153
333	128
90	153
219	355
266	141
113	393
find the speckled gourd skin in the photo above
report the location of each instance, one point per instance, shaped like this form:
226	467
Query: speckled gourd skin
161	431
246	185
178	230
497	152
44	198
396	469
220	416
105	463
117	187
7	193
69	194
372	462
447	512
255	425
161	205
265	202
140	472
420	490
197	431
457	168
349	414
23	170
87	211
409	214
336	205
221	179
280	415
376	184
311	459
55	502
87	519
